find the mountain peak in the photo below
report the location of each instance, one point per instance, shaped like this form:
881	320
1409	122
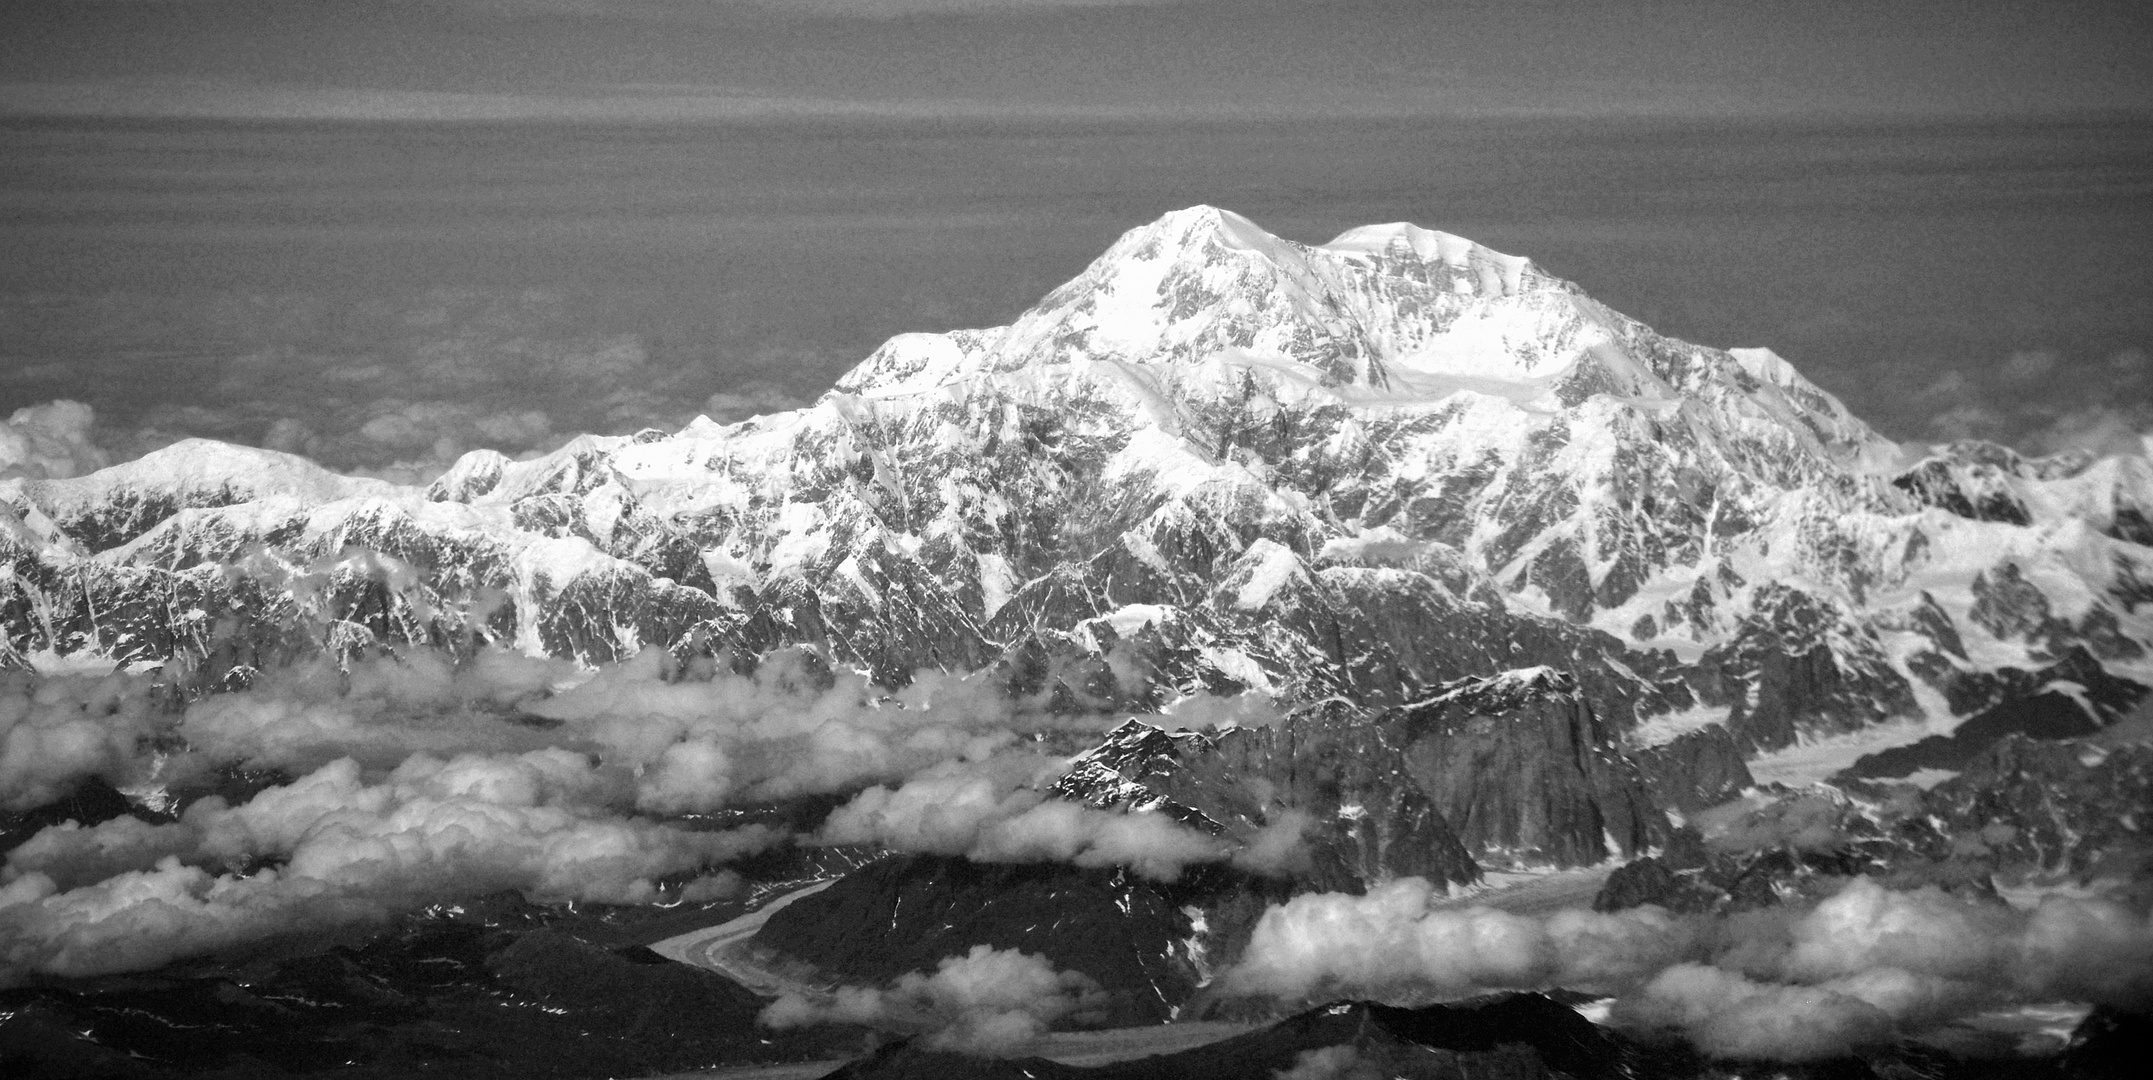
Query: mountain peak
1205	219
1402	238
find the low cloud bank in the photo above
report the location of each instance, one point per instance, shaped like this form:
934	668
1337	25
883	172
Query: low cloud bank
694	738
990	1001
701	739
424	778
331	850
982	812
518	373
57	731
1331	1063
974	817
50	441
2046	402
1858	969
1326	945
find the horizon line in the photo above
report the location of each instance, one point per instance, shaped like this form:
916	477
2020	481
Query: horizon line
643	106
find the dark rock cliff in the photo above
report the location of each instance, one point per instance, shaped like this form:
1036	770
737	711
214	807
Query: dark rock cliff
1525	772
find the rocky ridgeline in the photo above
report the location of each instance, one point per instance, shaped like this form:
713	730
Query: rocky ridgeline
2072	698
1513	769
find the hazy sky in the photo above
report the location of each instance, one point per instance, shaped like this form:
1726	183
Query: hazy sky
1941	211
674	57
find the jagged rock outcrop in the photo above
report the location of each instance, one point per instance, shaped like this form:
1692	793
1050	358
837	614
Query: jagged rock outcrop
2074	806
1342	773
1515	767
2072	698
1692	771
1526	773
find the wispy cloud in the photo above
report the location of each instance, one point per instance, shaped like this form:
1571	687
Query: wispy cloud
990	1001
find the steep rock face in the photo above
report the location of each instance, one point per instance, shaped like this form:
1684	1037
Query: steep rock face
1693	771
2024	808
1797	665
1359	469
2076	806
1526	773
1366	818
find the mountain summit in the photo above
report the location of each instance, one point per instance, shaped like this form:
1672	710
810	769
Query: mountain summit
1216	460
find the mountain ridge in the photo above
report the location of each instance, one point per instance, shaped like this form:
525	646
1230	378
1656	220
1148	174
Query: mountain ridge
1311	460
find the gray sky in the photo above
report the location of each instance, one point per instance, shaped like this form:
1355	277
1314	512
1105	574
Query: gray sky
677	58
1887	193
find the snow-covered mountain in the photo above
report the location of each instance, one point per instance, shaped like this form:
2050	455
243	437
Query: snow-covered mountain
1215	460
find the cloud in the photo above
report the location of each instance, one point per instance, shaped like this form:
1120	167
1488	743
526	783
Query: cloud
50	441
2100	430
702	737
946	755
694	737
1726	1015
1330	1063
58	730
989	1001
1966	422
2044	401
1865	966
376	710
397	385
425	778
331	850
413	442
972	812
1328	944
1224	711
2026	365
750	399
697	736
1279	848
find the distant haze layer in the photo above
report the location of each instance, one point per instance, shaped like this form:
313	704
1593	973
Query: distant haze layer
384	295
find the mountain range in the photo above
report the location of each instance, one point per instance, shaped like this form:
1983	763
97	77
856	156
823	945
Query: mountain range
1531	584
1363	468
